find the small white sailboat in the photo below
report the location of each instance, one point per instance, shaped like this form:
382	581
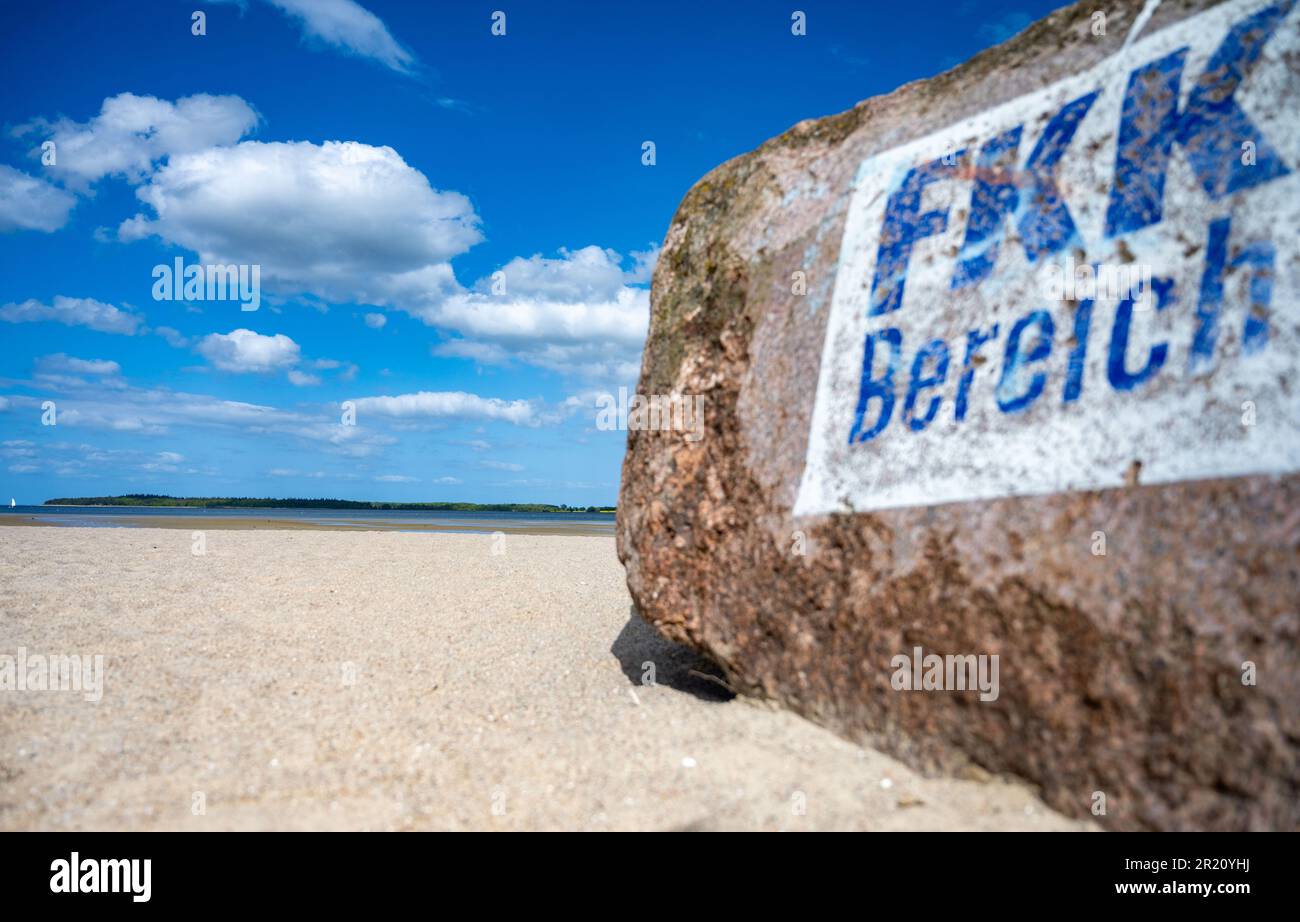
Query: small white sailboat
12	502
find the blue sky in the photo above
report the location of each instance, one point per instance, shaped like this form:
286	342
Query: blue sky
379	162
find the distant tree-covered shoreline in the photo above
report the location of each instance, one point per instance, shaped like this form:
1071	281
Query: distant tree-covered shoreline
254	502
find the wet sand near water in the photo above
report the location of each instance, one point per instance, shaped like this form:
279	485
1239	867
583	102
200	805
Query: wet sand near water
249	523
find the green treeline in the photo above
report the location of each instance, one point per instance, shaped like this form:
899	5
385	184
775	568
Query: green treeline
253	502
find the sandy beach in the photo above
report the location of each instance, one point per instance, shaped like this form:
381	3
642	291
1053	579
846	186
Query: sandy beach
312	679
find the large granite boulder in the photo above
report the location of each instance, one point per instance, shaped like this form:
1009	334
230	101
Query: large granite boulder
1005	364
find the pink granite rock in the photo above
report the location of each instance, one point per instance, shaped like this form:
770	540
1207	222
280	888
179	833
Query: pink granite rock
925	436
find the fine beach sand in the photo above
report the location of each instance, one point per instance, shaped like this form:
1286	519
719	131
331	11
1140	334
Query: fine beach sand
491	692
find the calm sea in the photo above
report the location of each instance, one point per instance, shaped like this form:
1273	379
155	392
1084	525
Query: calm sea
577	523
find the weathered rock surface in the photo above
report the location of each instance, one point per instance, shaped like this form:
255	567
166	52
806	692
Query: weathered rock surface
1120	672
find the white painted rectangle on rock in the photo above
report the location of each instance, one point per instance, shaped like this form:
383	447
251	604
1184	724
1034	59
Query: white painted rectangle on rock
1092	283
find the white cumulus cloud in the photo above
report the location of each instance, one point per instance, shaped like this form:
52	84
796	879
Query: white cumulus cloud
342	220
243	351
133	133
74	312
580	312
453	404
27	203
347	222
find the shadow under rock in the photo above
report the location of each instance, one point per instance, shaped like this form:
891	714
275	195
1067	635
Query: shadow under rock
676	666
